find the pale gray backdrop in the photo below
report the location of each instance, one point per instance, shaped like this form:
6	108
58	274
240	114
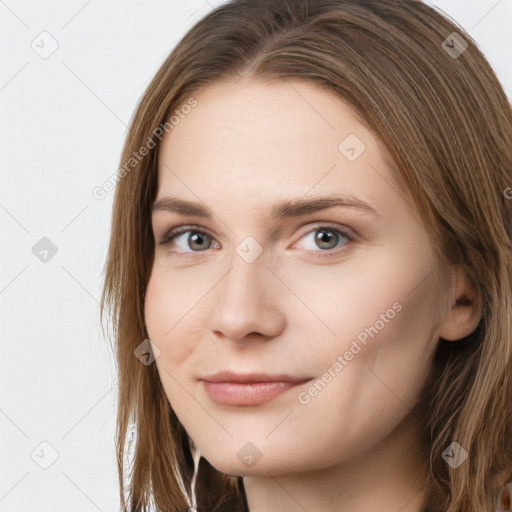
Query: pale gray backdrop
71	74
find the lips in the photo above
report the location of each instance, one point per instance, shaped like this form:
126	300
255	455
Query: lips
249	378
229	388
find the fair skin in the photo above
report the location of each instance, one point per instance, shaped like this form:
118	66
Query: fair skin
353	445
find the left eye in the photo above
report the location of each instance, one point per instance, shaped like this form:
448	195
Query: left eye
325	238
190	240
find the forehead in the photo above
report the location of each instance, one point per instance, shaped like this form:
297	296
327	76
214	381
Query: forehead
246	113
252	139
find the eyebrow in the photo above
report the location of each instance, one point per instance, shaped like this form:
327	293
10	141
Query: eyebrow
280	211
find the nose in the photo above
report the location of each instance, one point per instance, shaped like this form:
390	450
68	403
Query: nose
247	303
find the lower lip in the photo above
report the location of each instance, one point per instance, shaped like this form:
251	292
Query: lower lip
235	393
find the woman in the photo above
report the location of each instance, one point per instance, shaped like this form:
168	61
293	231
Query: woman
310	266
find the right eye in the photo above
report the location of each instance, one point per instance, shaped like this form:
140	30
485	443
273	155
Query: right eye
188	240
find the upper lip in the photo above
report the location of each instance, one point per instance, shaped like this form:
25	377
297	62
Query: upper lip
249	378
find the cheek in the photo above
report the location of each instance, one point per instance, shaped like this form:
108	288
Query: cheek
368	377
373	289
170	305
374	328
169	310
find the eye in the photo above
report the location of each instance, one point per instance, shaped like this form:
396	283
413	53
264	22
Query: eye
322	241
325	238
188	240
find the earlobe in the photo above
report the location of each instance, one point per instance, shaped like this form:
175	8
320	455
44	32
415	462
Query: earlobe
465	309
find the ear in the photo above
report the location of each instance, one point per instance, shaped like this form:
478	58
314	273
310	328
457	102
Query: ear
465	309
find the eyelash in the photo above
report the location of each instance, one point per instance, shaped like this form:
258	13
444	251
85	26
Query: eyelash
179	230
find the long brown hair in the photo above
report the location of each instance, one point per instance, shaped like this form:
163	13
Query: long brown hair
446	121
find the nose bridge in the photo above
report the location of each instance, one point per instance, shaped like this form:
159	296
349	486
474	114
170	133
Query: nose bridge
245	285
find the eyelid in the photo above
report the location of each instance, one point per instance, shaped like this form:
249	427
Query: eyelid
338	228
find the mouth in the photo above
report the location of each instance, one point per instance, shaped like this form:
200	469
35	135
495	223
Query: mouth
229	388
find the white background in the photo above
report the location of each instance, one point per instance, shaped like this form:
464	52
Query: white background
63	122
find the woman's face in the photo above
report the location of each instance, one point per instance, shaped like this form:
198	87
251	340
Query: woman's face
300	259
